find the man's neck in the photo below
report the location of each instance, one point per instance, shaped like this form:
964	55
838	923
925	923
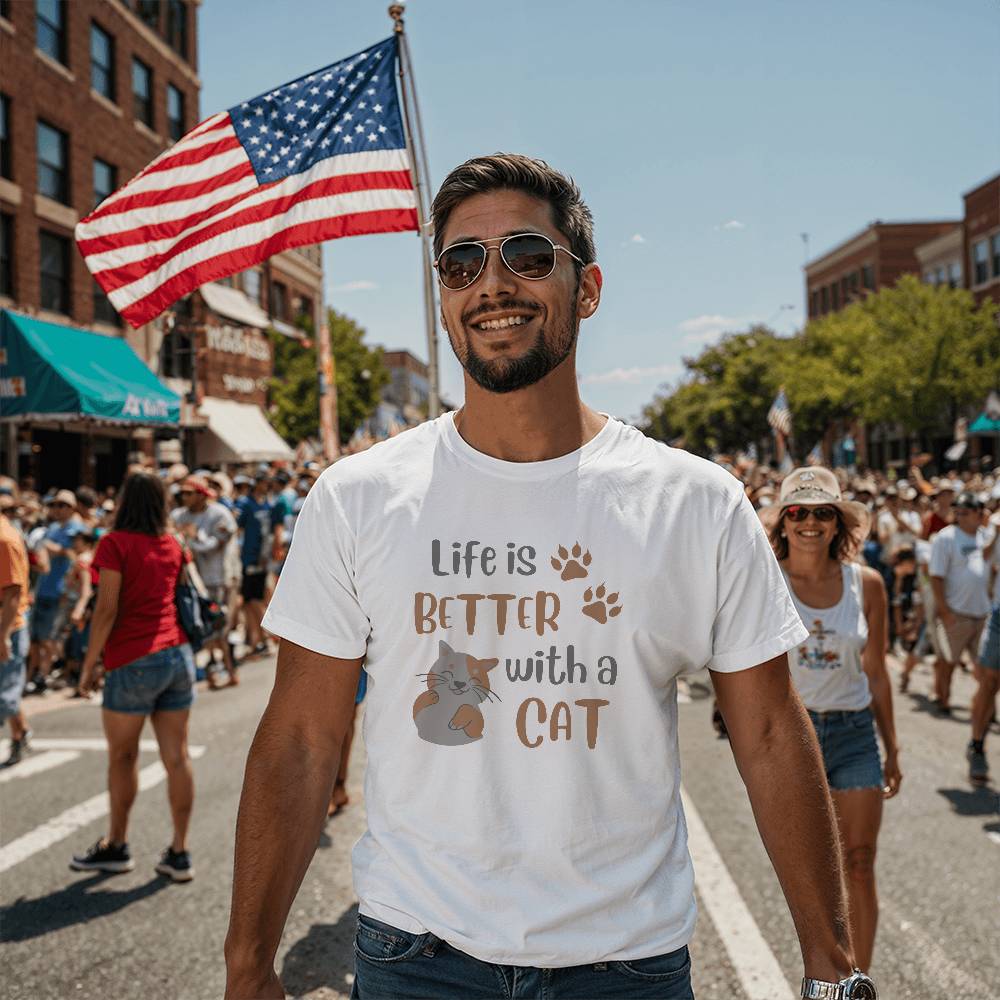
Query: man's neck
535	424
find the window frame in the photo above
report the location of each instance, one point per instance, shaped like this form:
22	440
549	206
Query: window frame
7	276
66	279
171	121
109	71
138	102
103	310
64	195
994	253
6	146
176	29
114	179
983	243
58	30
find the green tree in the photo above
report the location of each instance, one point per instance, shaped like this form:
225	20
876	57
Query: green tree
359	372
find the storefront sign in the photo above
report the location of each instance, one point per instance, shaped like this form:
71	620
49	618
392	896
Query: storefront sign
240	342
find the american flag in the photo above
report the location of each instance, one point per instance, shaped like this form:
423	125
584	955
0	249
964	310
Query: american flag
318	158
780	416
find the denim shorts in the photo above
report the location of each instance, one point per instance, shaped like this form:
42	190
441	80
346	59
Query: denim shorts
12	674
160	682
989	648
393	964
850	750
44	613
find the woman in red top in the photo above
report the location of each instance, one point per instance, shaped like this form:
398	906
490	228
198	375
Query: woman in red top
149	670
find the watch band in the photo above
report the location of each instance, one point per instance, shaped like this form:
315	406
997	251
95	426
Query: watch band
816	989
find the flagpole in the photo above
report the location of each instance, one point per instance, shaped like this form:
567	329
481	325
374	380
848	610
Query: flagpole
421	176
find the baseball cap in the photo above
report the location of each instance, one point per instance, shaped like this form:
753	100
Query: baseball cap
968	501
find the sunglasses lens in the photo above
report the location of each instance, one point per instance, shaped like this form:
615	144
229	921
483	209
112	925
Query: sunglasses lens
531	256
824	513
460	265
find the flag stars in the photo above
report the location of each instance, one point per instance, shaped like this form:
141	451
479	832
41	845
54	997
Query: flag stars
255	139
372	137
348	139
382	129
377	109
279	134
245	123
303	123
258	111
360	128
370	91
326	77
324	143
331	93
263	130
314	90
300	104
337	128
314	108
362	106
290	117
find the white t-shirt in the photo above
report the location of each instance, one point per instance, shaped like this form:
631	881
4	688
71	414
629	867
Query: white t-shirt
894	537
524	626
957	557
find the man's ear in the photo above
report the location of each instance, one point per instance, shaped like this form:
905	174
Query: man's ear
588	296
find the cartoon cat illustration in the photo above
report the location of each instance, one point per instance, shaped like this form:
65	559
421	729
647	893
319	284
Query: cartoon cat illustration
447	713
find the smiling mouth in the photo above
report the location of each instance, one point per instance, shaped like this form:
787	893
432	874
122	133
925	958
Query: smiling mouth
810	534
500	323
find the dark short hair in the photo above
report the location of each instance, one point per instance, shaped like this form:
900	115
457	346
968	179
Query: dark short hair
967	501
142	505
514	172
843	547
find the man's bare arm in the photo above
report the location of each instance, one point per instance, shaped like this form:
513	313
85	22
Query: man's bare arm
779	760
286	789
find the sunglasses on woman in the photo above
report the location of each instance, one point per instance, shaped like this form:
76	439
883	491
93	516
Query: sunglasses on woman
528	255
799	512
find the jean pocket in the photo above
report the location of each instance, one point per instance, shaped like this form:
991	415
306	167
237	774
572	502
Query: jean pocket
672	965
383	943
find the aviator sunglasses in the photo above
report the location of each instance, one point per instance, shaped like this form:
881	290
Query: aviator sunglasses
798	512
528	255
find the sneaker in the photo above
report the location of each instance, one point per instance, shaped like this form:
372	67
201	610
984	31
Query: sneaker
18	748
176	865
104	857
979	770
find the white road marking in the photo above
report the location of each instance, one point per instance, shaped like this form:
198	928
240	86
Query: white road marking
83	743
994	836
752	959
68	822
33	765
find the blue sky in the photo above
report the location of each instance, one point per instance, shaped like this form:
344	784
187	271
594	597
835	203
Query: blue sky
706	137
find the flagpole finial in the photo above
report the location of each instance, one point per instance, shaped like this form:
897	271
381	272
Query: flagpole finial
396	11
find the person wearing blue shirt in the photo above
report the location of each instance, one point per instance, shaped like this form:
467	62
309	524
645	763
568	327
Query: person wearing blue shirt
261	529
57	542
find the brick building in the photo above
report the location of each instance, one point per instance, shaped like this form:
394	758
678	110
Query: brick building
981	240
872	259
90	92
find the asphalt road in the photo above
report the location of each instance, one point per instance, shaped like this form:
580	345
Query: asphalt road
67	934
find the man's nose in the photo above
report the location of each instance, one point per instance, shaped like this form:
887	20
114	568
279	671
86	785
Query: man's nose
497	279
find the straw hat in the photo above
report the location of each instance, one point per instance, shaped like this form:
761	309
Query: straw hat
817	487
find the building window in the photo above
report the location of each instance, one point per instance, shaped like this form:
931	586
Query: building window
955	274
824	299
102	62
175	355
995	245
53	170
175	112
852	284
279	300
104	311
304	311
251	285
813	303
980	262
50	28
6	254
5	143
54	255
149	13
5	9
142	91
835	296
930	278
868	277
105	180
177	27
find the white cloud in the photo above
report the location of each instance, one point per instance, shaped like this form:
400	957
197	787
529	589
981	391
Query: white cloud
355	286
702	329
631	375
637	238
731	224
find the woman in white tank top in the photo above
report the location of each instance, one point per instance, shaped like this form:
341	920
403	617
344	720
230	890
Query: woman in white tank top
840	671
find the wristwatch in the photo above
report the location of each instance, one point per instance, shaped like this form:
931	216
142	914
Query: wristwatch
856	986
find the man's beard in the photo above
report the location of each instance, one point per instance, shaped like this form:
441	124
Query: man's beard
509	374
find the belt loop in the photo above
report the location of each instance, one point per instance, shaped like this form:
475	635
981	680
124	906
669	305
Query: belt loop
432	946
600	966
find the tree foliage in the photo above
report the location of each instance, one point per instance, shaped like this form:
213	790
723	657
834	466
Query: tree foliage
913	355
360	375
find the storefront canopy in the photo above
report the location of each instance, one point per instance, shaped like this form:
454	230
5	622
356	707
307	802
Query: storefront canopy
238	432
53	372
985	424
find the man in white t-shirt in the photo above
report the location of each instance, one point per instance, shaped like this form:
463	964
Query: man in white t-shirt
524	581
899	527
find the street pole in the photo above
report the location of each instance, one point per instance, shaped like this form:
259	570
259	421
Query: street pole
328	424
416	147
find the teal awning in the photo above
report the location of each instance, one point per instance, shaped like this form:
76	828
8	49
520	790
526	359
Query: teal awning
53	372
985	424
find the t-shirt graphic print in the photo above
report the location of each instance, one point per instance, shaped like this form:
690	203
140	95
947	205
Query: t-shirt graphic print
523	627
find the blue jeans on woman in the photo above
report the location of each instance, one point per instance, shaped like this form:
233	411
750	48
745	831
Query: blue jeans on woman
393	964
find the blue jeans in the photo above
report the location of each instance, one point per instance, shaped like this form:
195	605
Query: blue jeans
850	749
392	964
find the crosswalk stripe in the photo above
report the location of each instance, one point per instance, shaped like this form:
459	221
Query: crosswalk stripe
82	743
34	765
69	821
752	959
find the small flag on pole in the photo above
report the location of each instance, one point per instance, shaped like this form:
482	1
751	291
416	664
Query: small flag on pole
815	457
318	158
780	416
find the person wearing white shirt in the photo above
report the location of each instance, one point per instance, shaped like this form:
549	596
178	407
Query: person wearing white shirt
988	676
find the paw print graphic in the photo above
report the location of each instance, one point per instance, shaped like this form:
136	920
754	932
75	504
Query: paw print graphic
571	565
600	605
